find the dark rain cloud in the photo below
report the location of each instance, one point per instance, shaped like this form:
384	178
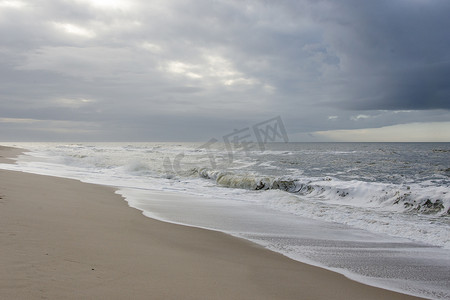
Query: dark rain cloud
397	52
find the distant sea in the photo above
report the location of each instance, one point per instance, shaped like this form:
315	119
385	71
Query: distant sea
378	213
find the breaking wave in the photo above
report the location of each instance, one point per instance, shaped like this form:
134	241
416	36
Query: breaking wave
416	198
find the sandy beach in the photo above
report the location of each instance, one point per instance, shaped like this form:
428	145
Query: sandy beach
64	239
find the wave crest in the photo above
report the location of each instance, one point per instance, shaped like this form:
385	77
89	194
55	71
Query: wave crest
424	200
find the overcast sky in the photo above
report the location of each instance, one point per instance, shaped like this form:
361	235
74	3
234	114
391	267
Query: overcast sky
146	70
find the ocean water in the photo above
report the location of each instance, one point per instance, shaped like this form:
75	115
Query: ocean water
378	213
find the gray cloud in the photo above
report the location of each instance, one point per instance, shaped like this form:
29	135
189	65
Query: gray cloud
396	54
193	69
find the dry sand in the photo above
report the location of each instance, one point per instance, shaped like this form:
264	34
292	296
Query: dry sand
63	239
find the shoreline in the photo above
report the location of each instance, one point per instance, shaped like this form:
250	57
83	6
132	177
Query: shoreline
62	238
7	154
